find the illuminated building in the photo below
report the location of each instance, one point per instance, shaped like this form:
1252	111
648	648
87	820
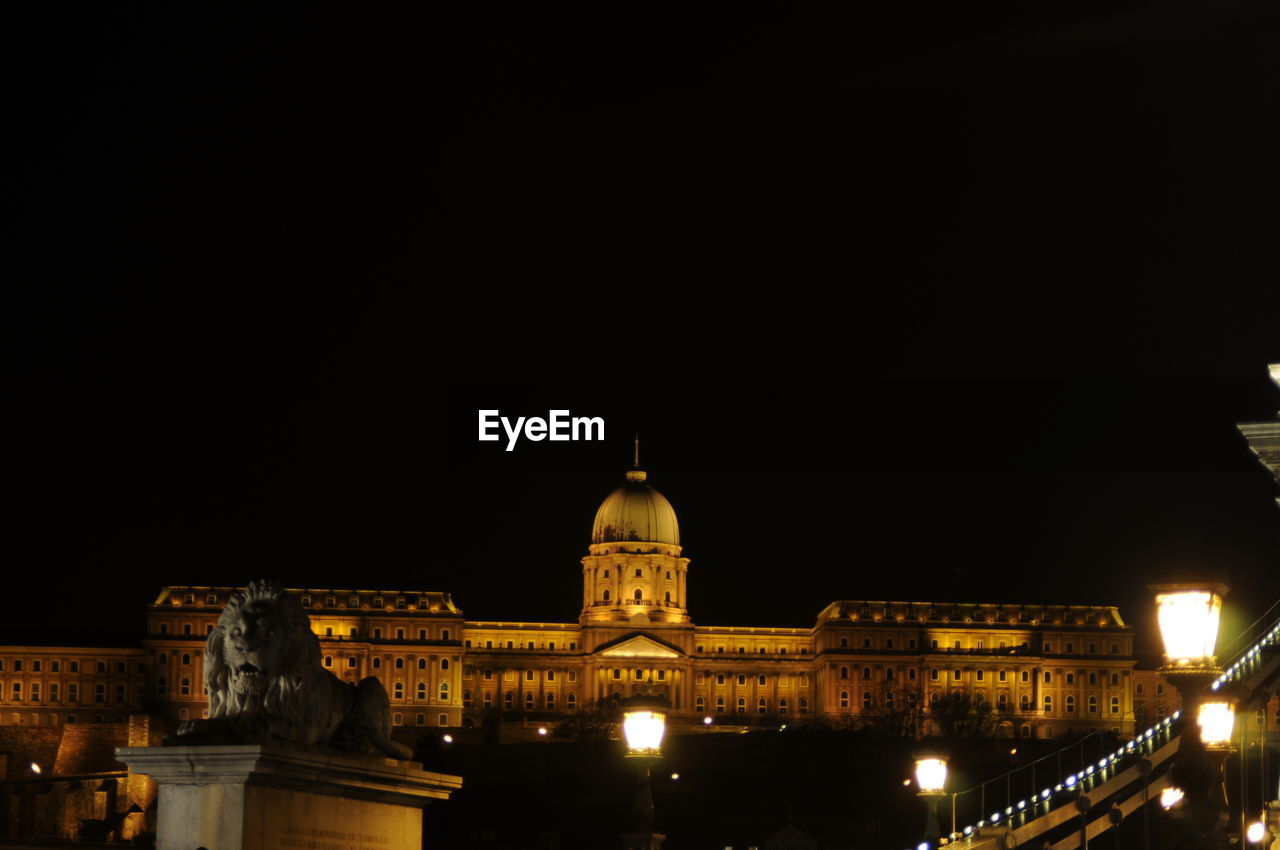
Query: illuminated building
1041	669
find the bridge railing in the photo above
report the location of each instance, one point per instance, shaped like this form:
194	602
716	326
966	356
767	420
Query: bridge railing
1023	807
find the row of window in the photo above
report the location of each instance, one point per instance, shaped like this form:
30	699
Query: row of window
397	691
761	679
638	574
529	675
35	692
762	705
16	719
353	601
549	700
488	644
398	663
971	615
1002	701
397	719
742	650
55	665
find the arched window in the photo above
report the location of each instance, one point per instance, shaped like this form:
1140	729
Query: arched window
164	659
399	663
1093	678
1139	689
1048	702
1069	703
328	661
551	675
351	662
466	698
184	687
761	680
551	699
528	675
1115	705
866	700
719	705
1048	677
888	674
1093	705
397	690
804	705
508	699
720	679
782	705
1025	702
762	706
1115	679
699	704
742	705
422	690
444	691
911	674
639	594
606	596
571	701
844	672
528	700
667	597
1002	702
422	664
866	673
186	658
844	699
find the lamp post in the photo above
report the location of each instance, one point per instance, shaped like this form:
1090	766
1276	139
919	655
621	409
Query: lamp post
644	721
1216	719
931	778
1188	613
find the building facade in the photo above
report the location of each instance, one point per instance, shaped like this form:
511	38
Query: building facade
1029	670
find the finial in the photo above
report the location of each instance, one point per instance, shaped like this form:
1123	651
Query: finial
635	473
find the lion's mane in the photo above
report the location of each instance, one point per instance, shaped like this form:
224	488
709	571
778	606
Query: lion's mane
296	693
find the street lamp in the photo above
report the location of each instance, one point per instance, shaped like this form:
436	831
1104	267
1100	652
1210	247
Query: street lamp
931	778
1189	613
644	722
1216	720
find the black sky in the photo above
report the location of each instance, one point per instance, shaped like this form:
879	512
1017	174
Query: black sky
924	302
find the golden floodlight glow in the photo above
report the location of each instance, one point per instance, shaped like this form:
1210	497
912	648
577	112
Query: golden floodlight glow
1171	796
644	730
1256	832
1217	719
931	774
35	768
1188	625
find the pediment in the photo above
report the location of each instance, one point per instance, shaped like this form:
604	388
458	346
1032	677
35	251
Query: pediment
639	646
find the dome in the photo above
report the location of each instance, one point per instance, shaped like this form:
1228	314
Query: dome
636	511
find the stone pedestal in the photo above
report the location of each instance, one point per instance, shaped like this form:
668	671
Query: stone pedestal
267	797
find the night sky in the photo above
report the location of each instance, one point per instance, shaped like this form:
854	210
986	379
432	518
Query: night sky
958	302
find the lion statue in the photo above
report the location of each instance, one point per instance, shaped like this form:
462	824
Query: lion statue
266	682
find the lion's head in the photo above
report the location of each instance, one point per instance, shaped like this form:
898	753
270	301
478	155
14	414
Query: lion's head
260	653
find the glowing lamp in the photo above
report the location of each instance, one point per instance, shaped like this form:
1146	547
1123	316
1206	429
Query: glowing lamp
35	768
1256	832
1171	796
931	774
1216	718
1188	616
643	730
